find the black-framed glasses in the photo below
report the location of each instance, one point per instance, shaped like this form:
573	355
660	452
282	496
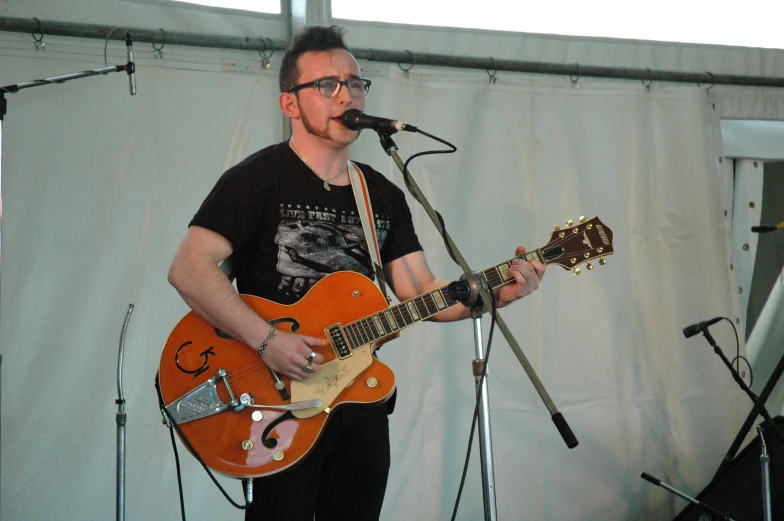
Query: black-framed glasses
329	87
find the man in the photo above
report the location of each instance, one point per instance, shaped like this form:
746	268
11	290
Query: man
287	215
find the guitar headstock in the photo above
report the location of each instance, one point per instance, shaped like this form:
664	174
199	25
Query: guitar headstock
576	244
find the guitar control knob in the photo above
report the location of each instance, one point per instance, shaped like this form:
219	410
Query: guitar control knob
257	416
372	382
247	445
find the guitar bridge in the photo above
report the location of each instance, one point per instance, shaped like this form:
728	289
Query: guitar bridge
201	402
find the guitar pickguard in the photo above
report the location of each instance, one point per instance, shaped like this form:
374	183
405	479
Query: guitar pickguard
329	381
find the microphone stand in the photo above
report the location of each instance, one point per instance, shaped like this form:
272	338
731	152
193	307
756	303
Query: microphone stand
389	146
750	419
120	420
764	458
699	504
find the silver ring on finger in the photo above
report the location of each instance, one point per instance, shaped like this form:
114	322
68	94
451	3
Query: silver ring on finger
312	357
309	367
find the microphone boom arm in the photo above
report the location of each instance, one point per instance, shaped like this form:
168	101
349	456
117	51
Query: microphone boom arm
568	436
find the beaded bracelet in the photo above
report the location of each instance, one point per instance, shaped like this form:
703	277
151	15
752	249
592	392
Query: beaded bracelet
270	336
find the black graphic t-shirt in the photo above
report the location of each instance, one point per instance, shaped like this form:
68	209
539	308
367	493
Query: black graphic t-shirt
287	231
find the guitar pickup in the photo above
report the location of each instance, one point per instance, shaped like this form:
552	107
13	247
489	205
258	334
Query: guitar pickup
338	340
201	402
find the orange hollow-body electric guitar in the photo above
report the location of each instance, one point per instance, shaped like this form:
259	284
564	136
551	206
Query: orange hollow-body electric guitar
245	421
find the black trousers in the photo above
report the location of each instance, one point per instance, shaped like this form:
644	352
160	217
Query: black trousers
345	476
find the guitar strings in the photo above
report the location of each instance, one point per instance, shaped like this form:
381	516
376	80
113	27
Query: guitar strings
259	366
245	372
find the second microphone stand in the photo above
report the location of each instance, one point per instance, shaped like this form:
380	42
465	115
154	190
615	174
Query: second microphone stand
485	442
760	408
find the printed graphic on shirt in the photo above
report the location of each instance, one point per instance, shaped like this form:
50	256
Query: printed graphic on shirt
314	242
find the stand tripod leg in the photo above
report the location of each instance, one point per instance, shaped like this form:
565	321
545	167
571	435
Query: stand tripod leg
765	468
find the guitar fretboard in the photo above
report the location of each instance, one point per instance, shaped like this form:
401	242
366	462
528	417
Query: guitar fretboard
398	317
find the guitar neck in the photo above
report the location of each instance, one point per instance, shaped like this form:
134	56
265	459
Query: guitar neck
396	318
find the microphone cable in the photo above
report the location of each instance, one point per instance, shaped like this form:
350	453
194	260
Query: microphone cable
409	184
738	357
172	425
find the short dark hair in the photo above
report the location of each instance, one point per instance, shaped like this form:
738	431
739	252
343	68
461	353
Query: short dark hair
310	39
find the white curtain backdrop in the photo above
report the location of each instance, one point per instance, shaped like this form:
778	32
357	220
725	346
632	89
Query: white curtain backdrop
98	188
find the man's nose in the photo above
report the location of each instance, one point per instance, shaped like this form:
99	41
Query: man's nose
344	95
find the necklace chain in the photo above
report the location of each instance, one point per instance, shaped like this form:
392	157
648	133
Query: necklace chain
326	181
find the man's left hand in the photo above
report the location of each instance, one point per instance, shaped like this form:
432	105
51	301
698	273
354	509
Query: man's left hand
527	276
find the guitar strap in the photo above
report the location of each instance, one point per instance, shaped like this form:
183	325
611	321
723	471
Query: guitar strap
359	186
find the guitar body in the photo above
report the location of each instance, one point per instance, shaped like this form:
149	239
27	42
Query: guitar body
239	435
233	442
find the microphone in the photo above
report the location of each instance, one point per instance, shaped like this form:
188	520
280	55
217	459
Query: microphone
130	67
765	228
354	119
694	329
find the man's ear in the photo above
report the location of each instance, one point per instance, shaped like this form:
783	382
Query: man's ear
289	104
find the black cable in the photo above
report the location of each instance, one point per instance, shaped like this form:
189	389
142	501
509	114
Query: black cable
737	353
407	179
198	458
179	473
169	422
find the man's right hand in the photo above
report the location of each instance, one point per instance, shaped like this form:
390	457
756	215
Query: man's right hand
287	354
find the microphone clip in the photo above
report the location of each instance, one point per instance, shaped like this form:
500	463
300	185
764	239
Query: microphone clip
466	289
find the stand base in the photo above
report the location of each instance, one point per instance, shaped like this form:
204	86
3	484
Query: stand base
738	491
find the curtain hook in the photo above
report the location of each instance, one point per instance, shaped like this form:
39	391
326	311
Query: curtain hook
413	62
40	44
265	64
575	79
157	51
650	81
492	78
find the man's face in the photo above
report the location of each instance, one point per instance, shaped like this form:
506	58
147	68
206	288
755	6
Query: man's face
320	115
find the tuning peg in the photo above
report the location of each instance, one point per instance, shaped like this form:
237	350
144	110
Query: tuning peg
557	227
581	219
569	222
589	266
602	261
577	271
